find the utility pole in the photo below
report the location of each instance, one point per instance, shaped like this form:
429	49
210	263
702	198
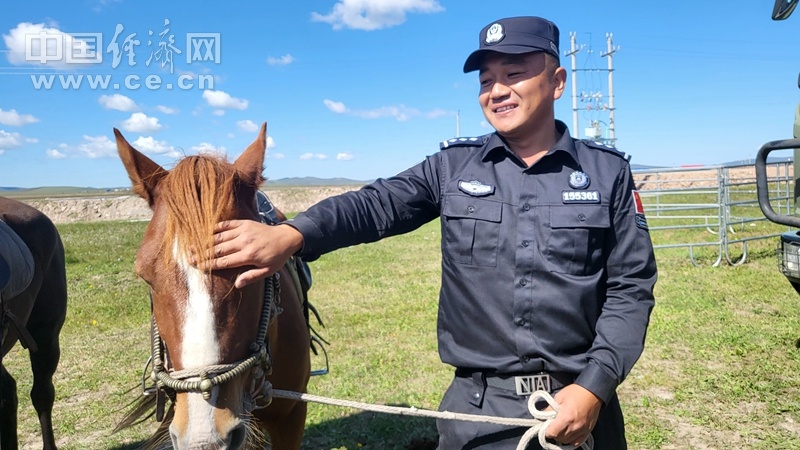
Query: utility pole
573	49
595	99
610	50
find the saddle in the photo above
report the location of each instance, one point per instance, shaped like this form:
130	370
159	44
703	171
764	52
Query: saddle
301	276
18	262
16	273
5	273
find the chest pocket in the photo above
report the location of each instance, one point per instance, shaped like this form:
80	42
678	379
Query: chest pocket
575	238
471	230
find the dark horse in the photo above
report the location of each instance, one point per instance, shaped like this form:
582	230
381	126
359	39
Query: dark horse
217	349
31	312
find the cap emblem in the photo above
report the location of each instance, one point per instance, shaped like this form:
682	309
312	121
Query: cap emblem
494	34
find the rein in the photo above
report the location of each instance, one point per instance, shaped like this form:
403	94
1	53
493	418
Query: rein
260	361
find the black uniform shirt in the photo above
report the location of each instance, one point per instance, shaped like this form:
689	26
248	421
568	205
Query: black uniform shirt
548	267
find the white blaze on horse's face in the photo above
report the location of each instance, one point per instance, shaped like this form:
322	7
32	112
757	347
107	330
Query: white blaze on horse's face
200	348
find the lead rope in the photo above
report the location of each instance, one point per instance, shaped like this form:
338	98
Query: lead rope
538	425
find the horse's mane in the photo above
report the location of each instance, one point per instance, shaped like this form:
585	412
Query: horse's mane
197	192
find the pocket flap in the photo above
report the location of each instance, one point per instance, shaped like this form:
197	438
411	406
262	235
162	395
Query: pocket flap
579	216
458	206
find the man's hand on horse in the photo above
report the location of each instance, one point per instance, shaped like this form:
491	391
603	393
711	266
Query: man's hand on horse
239	243
577	415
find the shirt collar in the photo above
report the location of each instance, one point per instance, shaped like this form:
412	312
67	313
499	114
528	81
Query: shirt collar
565	143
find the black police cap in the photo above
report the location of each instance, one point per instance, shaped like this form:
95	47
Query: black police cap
515	35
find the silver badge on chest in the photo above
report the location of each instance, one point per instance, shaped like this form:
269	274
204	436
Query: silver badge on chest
475	188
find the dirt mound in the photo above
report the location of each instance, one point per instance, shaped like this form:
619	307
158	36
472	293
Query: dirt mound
131	207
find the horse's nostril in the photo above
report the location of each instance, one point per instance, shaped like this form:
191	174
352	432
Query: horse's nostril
175	442
237	437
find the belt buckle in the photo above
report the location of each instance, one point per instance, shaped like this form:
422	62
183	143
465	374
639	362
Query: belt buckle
528	384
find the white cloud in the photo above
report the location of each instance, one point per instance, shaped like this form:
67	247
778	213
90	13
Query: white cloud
374	14
53	39
32	140
117	102
221	99
97	147
401	113
14	119
307	156
337	107
55	154
219	112
436	113
344	156
205	147
166	109
247	125
9	140
270	142
150	145
276	156
284	60
141	123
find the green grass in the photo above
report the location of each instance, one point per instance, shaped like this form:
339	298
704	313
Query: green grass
719	369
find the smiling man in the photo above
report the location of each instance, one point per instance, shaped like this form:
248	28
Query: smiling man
547	264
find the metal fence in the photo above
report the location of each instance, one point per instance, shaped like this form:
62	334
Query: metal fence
714	207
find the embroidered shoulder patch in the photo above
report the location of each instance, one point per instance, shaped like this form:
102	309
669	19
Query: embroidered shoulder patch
606	148
463	142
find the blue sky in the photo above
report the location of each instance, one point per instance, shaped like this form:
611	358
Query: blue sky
366	88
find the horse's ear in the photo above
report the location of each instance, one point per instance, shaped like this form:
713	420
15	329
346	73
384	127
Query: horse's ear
143	171
250	163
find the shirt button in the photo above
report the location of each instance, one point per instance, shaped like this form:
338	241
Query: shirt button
525	359
471	209
521	322
523	283
526	207
582	217
476	395
525	243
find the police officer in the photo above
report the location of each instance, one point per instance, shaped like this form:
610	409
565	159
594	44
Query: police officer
547	264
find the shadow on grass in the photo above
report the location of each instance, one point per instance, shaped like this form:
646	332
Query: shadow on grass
362	430
372	430
131	446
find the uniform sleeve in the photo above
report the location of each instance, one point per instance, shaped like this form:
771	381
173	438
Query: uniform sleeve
384	208
631	276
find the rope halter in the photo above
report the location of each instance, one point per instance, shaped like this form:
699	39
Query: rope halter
204	379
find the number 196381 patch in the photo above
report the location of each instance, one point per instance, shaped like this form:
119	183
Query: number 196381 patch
580	196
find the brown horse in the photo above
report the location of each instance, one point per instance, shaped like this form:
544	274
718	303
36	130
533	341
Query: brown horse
32	312
215	362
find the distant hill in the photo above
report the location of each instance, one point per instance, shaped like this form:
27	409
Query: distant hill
644	167
313	181
56	191
69	191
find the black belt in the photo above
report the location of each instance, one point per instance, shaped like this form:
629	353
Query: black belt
521	383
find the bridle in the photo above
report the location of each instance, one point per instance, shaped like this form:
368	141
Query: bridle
204	379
